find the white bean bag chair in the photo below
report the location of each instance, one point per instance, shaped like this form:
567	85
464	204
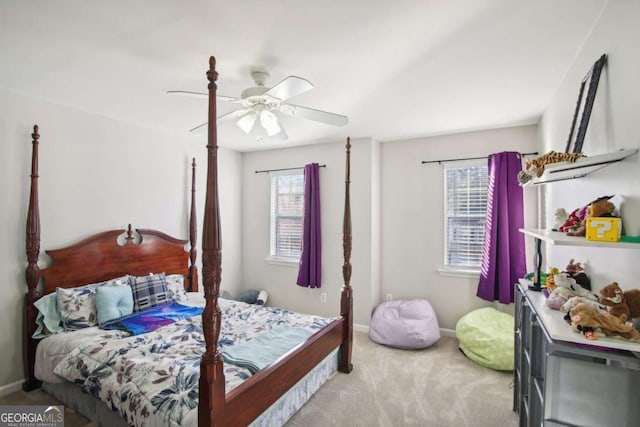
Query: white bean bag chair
485	335
408	324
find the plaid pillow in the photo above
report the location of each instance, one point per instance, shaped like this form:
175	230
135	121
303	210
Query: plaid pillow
149	291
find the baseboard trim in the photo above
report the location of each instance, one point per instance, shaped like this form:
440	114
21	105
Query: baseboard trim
444	332
11	388
361	328
447	332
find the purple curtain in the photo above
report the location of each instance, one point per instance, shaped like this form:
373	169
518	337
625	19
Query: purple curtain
309	273
503	257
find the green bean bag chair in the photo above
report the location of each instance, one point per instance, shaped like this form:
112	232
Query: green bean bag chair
485	336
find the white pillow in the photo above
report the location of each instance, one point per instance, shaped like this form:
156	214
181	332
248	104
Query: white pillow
175	288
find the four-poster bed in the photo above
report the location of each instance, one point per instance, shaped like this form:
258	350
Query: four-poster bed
100	257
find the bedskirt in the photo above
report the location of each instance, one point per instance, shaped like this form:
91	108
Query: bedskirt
276	415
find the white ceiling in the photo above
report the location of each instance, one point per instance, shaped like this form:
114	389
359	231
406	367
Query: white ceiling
398	69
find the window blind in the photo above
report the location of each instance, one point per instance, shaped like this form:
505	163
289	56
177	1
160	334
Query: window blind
287	215
465	216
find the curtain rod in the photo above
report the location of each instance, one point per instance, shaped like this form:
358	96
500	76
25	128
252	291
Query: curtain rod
286	169
471	158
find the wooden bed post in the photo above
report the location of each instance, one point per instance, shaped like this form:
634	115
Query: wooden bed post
346	303
212	384
193	233
32	272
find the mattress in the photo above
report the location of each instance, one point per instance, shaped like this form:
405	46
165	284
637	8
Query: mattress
152	379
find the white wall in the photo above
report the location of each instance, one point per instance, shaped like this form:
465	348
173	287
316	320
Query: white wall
96	174
412	216
279	280
613	126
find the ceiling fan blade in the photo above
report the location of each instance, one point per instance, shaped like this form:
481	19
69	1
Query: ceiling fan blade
201	95
199	128
187	93
312	114
289	87
233	114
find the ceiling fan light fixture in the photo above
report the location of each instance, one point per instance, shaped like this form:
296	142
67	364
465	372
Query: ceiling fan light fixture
269	122
246	122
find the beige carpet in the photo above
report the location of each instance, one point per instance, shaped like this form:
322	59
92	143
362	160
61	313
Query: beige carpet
388	387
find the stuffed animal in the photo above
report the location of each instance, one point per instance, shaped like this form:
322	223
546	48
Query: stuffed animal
601	207
550	284
585	318
566	287
535	167
576	271
574	220
561	218
625	305
572	302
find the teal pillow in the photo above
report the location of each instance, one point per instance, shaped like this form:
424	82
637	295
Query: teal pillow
48	320
113	302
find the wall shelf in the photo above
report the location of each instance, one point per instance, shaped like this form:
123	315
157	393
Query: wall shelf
566	170
561	239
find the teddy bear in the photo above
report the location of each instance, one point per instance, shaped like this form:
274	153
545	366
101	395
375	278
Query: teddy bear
566	288
587	319
625	305
601	207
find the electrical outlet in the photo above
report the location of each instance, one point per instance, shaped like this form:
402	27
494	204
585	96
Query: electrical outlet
388	297
323	297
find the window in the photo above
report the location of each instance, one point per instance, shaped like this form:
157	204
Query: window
465	212
287	215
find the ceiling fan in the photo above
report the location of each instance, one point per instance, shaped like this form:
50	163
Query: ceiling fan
260	103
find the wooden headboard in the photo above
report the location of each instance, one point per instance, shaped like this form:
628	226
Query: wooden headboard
102	257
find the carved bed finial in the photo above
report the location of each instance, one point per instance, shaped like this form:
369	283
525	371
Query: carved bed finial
129	234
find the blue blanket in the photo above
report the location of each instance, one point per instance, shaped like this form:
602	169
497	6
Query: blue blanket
153	318
266	348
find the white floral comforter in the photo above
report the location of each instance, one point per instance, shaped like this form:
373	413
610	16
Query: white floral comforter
152	379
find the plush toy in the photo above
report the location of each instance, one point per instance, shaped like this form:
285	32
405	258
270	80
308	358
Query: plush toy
576	271
535	167
561	218
601	207
566	287
585	318
550	284
572	302
625	305
574	220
